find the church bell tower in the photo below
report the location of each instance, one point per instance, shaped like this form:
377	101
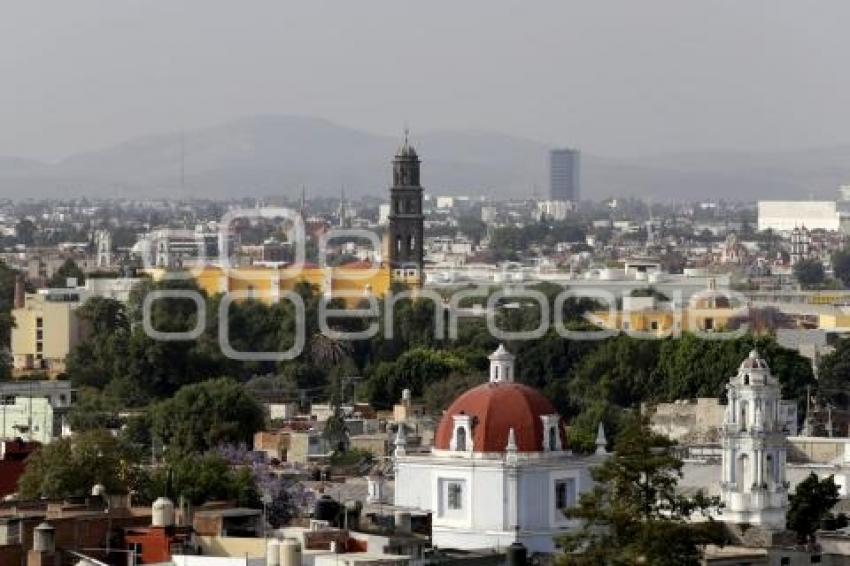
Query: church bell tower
753	486
404	238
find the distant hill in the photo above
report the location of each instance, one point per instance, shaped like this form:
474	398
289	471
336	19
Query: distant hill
275	155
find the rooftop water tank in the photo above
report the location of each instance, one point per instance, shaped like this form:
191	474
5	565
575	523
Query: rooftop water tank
44	538
162	513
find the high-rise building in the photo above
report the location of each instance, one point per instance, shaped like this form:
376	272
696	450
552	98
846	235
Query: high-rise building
564	175
405	220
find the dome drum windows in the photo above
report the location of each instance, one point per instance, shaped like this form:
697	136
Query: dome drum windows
462	434
551	433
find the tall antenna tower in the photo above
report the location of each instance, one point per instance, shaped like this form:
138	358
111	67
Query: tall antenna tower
182	162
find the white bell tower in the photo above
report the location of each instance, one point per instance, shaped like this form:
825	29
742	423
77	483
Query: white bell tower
753	485
501	366
103	241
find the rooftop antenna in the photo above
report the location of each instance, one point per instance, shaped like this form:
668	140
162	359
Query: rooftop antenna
182	161
342	206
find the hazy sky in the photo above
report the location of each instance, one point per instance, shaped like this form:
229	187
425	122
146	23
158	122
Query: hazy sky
618	77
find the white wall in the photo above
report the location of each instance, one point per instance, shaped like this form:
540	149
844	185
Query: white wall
784	216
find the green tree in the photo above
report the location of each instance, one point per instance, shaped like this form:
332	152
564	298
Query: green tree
634	515
438	395
841	266
412	370
810	273
834	375
8	279
103	355
104	315
200	478
72	466
203	415
810	504
67	270
621	370
93	410
336	431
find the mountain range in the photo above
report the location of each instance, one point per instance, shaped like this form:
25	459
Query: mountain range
276	155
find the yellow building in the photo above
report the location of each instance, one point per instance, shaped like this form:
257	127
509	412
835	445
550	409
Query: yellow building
661	319
350	282
834	321
46	329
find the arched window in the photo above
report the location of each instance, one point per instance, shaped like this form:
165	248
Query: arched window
742	471
769	468
460	439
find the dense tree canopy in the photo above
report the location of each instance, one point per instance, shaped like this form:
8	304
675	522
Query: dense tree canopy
810	503
68	270
203	415
841	266
834	375
634	514
72	466
810	273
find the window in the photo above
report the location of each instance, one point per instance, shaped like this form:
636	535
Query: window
39	347
553	439
460	441
565	492
455	496
653	325
39	322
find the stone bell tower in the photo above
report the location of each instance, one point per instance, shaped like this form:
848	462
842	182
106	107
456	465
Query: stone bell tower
753	485
406	223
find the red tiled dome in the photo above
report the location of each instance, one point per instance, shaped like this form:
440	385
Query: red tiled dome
496	408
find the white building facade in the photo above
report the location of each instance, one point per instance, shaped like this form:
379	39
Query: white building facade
784	216
499	471
753	487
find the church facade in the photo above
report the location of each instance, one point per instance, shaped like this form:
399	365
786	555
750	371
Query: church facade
402	256
499	471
